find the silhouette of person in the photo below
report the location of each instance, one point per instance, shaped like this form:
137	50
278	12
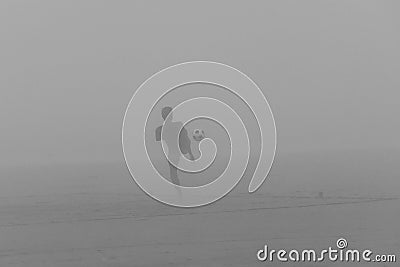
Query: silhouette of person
173	153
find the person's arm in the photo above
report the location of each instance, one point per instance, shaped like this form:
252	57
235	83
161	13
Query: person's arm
185	143
158	133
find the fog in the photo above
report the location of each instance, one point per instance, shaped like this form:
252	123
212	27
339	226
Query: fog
68	70
329	69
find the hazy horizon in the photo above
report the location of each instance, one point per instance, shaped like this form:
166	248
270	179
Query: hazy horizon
329	70
69	70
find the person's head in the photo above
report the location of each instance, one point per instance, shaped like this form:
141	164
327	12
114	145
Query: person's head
165	112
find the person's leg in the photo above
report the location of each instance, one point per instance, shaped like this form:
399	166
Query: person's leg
173	174
191	157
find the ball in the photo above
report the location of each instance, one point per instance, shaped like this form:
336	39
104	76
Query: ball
198	134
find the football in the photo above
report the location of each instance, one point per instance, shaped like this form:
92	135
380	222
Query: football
198	134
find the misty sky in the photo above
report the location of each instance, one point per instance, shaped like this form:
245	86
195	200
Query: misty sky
330	69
